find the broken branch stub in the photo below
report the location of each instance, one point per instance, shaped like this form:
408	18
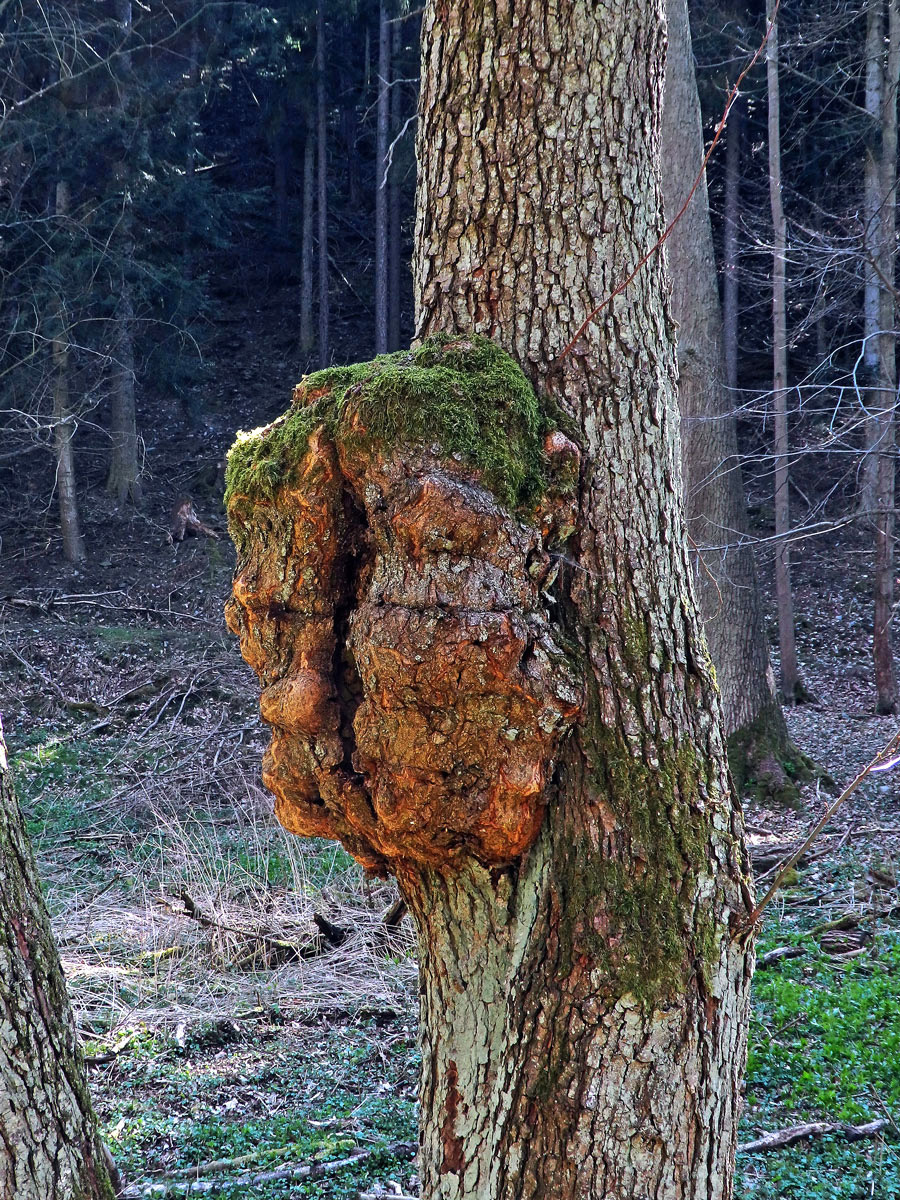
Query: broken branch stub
398	613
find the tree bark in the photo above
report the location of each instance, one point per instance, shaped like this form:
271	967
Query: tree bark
322	197
49	1145
724	568
885	679
63	421
381	188
577	1040
580	901
791	687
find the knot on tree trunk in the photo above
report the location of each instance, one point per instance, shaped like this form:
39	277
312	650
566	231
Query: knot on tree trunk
394	593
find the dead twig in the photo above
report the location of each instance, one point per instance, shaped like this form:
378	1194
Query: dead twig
780	1138
189	1185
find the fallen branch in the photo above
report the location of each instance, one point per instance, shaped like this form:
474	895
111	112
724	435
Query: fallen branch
190	1185
774	956
779	1138
280	950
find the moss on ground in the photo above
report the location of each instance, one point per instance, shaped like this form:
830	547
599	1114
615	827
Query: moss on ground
463	393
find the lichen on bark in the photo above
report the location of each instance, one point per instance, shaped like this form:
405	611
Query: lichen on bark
394	594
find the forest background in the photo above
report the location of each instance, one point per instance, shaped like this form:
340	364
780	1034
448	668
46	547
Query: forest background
201	203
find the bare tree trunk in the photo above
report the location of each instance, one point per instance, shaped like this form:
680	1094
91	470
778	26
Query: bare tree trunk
49	1145
63	421
322	137
791	687
725	571
885	680
381	189
307	336
123	481
282	166
872	212
731	247
394	221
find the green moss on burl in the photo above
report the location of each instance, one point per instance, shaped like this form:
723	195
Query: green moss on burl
462	393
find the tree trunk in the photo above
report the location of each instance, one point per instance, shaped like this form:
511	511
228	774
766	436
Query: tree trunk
872	204
123	481
791	687
63	421
307	336
322	138
381	188
580	903
731	247
583	1026
395	229
49	1146
725	572
885	680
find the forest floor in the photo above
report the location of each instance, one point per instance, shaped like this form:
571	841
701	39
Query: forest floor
234	1044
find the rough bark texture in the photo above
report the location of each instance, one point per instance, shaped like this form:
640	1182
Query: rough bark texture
49	1147
791	687
725	572
583	1004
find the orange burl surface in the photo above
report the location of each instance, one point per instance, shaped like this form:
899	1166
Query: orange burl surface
398	618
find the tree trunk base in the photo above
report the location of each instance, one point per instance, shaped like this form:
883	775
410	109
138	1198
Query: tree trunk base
765	762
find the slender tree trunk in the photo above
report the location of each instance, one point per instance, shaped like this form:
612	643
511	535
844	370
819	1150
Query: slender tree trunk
394	215
190	165
872	202
123	481
583	1026
725	573
791	687
885	680
322	138
63	421
307	334
731	247
381	187
282	174
49	1145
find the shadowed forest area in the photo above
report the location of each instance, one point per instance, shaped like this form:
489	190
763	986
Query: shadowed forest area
202	203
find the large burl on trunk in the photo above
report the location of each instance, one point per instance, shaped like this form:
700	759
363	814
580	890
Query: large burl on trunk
394	594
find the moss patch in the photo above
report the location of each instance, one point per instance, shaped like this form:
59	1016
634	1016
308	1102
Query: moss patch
763	760
638	917
463	393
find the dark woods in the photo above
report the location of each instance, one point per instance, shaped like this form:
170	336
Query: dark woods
201	201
